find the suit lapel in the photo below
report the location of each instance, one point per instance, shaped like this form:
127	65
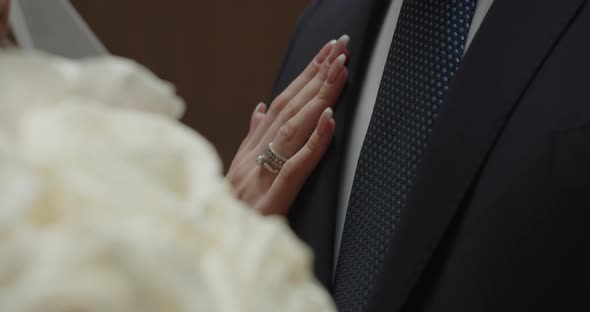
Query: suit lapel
313	215
511	45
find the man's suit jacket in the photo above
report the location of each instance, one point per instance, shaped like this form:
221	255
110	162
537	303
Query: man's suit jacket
499	217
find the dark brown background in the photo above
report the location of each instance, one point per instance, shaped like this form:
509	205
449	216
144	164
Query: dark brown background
222	55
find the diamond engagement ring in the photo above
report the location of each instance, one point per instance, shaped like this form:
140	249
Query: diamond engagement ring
271	160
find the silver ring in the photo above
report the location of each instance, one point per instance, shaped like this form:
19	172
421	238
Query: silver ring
271	160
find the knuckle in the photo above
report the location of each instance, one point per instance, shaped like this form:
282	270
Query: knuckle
289	112
323	72
288	172
313	69
278	104
313	145
287	131
324	96
241	192
231	177
235	174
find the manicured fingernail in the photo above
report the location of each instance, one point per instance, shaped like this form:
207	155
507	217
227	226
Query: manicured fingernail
260	108
328	113
336	68
325	52
345	39
327	122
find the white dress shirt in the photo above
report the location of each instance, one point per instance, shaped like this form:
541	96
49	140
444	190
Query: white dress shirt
368	96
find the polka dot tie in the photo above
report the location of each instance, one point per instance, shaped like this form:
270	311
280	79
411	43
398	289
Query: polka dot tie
425	53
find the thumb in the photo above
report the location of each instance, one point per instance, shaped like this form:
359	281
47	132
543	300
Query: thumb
257	117
255	121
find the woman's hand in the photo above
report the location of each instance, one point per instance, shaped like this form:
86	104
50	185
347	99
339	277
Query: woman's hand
299	125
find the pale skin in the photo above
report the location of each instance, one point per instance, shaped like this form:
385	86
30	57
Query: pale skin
300	125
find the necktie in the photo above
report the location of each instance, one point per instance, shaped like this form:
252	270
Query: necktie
425	53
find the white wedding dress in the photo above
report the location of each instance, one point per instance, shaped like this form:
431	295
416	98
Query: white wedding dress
109	203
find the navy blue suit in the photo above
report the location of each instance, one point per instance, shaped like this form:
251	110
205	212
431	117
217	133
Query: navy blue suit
499	216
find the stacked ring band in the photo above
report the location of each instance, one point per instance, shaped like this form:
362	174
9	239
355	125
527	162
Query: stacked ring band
271	160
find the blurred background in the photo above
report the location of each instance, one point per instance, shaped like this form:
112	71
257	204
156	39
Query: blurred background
223	56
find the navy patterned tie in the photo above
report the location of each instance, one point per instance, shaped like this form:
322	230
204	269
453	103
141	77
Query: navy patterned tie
425	53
